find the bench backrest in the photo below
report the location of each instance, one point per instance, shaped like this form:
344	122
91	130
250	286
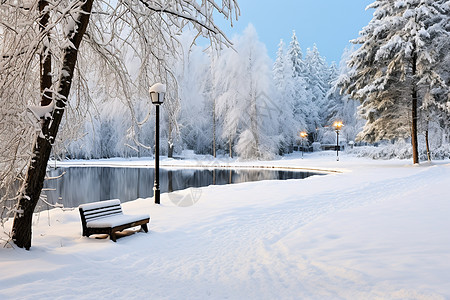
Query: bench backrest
101	209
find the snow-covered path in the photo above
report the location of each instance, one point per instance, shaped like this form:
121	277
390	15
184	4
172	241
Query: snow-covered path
378	230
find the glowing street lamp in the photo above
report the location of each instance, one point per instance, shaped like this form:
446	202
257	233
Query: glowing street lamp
337	126
157	93
303	135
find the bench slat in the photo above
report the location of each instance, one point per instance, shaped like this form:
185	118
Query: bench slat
105	212
97	217
101	208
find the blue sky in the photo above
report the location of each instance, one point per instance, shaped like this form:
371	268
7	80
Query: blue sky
328	23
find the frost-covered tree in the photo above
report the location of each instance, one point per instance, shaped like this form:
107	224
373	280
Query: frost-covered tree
210	92
295	56
340	107
227	92
284	82
296	86
42	56
433	86
196	94
334	103
246	106
317	74
279	67
395	67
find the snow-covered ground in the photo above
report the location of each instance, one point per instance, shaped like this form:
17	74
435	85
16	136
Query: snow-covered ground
378	229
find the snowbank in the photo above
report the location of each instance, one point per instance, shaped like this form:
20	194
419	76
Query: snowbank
377	230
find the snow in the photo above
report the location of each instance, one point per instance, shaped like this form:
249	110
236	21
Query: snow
158	88
95	205
42	111
375	229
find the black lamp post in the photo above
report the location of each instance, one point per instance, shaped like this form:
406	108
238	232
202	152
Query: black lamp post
337	126
303	135
157	93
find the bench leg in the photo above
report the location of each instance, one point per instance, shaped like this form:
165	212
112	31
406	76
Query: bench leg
144	227
112	236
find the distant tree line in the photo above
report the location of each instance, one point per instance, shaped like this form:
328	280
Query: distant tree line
235	101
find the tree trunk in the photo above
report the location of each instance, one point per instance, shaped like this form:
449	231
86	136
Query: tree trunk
170	150
415	150
34	180
427	145
169	141
45	58
214	127
170	181
212	94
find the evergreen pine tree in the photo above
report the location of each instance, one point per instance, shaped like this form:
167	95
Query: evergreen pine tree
394	66
283	81
317	73
296	85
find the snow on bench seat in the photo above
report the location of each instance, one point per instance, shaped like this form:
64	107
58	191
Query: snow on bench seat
107	217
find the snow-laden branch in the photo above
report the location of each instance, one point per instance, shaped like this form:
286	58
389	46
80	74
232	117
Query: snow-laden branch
207	23
42	111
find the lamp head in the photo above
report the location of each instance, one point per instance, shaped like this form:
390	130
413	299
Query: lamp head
157	93
338	125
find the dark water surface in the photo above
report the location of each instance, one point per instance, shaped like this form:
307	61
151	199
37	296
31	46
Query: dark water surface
89	184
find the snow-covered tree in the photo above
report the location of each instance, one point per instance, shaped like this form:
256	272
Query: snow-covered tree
295	56
334	103
340	107
210	86
196	94
288	127
279	67
296	86
246	107
433	86
395	67
317	74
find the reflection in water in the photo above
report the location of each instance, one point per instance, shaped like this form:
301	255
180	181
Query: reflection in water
89	184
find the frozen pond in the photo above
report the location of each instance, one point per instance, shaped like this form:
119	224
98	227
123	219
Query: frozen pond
89	184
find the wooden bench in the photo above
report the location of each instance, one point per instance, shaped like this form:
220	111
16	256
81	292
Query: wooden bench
106	217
